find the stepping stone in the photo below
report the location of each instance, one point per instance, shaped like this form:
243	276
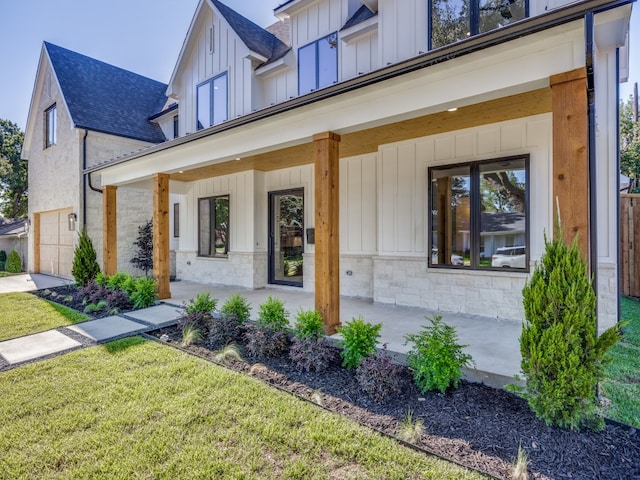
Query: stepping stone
107	328
157	316
35	346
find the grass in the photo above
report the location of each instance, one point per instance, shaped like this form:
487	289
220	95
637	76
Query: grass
621	384
137	409
24	313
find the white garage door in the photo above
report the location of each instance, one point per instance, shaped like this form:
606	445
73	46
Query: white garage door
56	243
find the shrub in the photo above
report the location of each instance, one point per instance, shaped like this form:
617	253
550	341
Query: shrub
562	355
14	262
190	335
202	303
101	279
91	293
237	306
359	340
118	280
223	330
436	357
145	293
144	253
118	301
85	266
312	353
379	376
411	430
197	313
3	259
308	324
96	307
272	314
265	341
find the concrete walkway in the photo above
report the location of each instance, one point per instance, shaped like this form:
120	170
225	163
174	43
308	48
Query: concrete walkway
27	282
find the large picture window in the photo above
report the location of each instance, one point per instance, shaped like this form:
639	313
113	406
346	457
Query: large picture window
50	121
318	64
479	214
213	226
455	20
212	102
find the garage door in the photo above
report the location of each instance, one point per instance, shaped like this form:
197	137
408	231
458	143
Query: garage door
56	243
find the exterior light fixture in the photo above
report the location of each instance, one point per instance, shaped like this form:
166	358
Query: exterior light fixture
452	109
72	218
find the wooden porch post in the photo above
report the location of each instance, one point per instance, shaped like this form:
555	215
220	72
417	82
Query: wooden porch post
161	234
327	233
570	155
109	230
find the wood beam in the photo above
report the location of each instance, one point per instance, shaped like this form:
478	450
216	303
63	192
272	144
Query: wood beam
570	155
109	230
161	234
327	232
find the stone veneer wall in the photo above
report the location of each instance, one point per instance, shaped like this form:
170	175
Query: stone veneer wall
247	270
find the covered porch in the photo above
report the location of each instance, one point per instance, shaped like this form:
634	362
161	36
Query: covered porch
492	342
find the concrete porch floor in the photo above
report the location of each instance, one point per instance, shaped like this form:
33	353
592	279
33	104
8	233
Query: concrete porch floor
493	343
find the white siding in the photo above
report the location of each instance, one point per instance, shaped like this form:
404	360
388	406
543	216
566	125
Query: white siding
403	29
358	223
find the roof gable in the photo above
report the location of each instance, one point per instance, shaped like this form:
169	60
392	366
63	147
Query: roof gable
105	98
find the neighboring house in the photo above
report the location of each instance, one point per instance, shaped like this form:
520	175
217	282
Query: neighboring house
13	236
84	112
361	148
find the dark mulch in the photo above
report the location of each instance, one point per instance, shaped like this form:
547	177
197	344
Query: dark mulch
475	425
67	295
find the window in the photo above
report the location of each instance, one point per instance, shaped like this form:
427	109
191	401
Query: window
176	220
479	209
176	130
50	121
212	101
213	226
318	64
455	20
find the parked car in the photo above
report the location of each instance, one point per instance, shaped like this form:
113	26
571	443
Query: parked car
455	258
510	257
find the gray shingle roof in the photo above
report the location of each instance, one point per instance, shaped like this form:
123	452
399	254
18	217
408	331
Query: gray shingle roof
255	37
362	14
108	99
12	227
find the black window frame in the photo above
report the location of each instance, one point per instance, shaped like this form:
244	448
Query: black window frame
474	20
475	214
176	220
50	126
212	221
176	128
316	43
211	81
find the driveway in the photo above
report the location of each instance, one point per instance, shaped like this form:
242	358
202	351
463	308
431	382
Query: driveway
27	282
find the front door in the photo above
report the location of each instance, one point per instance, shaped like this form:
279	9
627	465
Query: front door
286	237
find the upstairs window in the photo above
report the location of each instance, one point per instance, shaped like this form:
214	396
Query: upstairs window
455	20
318	64
176	129
212	102
213	226
50	122
479	215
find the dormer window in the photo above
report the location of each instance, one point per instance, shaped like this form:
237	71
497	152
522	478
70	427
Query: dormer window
212	102
318	64
455	20
50	121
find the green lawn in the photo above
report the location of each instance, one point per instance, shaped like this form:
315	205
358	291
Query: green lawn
24	313
137	409
622	374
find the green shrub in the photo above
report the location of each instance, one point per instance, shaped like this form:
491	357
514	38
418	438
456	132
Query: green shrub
145	293
237	306
273	315
118	280
562	355
96	307
101	279
14	263
436	357
3	260
202	303
308	324
85	266
359	340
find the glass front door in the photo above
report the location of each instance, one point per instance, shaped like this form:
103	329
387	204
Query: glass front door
286	237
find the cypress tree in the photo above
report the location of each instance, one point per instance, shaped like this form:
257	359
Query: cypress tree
14	262
562	355
144	254
85	266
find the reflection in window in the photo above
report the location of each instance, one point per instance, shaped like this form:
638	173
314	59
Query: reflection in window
50	121
318	64
455	20
213	226
479	214
212	102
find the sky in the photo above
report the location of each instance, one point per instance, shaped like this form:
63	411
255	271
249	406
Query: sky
143	36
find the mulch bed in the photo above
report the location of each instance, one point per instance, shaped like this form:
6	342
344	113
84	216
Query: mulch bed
65	295
476	426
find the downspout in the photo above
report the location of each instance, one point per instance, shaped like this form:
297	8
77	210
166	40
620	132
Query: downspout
87	179
591	153
618	181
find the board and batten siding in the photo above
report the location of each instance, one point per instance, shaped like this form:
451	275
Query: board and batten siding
402	29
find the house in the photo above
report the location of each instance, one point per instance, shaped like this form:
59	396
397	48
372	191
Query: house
378	149
13	236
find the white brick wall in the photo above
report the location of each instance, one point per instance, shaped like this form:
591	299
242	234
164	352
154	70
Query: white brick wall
248	270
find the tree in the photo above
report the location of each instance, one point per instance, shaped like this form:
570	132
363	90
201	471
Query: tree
629	142
13	171
144	255
85	266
